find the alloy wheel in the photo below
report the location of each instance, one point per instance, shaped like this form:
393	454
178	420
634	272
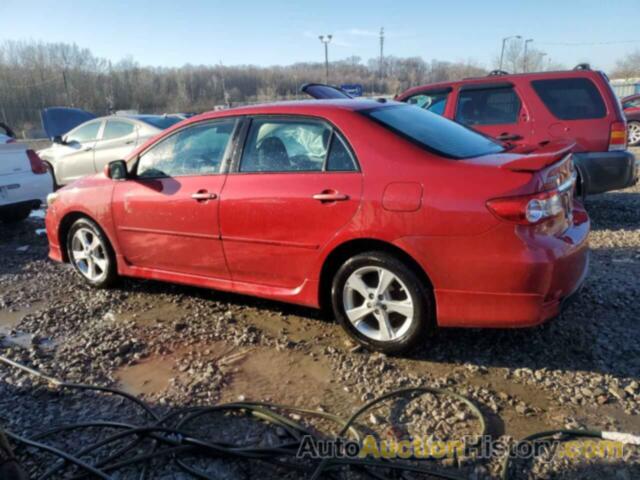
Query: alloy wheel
634	133
378	303
89	254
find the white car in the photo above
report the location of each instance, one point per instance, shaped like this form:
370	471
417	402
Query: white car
25	180
83	144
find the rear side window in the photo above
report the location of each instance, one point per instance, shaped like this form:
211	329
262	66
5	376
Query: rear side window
490	106
571	98
433	132
433	102
116	129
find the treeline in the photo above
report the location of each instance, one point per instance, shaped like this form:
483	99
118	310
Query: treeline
34	75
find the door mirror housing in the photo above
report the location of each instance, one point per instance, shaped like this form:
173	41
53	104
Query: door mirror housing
58	139
116	170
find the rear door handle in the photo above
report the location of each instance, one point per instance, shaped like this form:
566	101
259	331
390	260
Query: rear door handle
200	196
330	196
505	137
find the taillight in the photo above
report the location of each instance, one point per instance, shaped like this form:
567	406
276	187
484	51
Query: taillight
618	136
536	207
37	165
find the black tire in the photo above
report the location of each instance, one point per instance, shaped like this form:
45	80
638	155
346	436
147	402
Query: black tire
53	176
423	321
15	215
110	273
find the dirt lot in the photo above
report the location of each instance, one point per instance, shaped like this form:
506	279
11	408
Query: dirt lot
179	346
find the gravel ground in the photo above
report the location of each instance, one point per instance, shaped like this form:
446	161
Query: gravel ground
178	346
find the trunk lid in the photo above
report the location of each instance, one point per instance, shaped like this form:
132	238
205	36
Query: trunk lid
13	159
56	121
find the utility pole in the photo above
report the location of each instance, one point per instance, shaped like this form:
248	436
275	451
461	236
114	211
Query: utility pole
524	60
504	41
326	39
381	52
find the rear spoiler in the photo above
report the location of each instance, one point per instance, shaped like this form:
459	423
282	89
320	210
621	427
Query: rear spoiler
537	158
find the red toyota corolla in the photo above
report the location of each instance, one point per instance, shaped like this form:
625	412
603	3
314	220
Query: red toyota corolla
396	218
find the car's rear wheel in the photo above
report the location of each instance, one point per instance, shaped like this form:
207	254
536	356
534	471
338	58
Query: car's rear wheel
91	254
634	133
381	302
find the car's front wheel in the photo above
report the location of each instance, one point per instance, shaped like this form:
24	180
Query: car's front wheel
91	254
382	303
634	133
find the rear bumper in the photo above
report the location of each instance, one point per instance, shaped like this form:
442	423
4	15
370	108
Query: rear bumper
507	277
604	171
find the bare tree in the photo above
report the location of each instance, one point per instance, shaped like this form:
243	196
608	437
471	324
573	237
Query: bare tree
627	67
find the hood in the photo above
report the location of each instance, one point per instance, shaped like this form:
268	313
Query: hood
56	121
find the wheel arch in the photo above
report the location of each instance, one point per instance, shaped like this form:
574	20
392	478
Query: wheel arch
65	225
348	249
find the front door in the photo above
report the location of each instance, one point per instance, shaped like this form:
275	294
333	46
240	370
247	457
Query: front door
296	185
75	159
167	215
496	110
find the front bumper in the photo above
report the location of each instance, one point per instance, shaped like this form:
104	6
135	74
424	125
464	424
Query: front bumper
604	171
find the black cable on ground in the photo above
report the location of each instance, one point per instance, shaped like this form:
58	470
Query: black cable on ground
172	440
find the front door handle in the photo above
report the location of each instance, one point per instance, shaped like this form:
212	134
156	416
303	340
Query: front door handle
506	137
330	196
87	149
202	195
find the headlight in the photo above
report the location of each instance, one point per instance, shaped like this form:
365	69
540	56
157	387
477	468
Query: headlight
51	198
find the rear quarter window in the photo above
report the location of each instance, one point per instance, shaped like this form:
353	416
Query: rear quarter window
571	98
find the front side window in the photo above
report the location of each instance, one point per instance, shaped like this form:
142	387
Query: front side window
85	133
488	106
196	150
571	98
116	129
433	102
433	132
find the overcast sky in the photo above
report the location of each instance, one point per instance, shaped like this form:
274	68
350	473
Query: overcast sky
269	32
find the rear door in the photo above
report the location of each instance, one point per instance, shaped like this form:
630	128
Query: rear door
118	138
496	109
295	185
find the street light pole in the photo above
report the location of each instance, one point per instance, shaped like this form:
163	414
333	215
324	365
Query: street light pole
504	42
326	39
524	61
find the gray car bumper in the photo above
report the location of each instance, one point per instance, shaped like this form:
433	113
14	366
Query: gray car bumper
605	171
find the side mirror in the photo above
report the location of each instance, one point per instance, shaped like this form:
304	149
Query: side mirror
58	139
116	170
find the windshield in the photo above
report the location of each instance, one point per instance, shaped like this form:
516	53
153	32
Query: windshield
433	132
159	121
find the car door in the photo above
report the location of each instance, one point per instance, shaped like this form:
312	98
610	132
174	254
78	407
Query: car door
495	109
75	160
294	186
166	216
118	139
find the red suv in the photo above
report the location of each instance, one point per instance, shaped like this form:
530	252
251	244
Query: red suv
532	109
398	219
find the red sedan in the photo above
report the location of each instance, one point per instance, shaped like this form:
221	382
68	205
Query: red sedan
396	218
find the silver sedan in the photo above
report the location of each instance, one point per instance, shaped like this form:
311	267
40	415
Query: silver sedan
88	147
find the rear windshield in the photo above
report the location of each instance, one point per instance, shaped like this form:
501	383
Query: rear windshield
433	132
571	98
160	122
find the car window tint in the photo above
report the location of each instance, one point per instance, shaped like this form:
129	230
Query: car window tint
116	129
197	150
433	102
633	103
433	132
85	133
571	98
285	146
340	159
491	106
